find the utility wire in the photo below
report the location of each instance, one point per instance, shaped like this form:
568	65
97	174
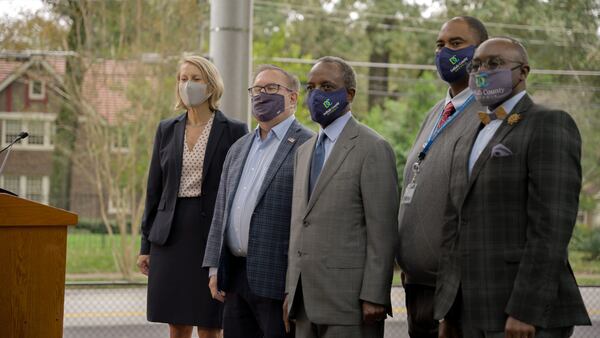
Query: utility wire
408	66
401	17
412	29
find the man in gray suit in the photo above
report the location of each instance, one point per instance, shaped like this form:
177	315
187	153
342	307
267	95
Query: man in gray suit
513	202
427	172
248	241
343	231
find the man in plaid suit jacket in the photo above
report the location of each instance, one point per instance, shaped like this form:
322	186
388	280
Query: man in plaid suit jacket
249	235
513	202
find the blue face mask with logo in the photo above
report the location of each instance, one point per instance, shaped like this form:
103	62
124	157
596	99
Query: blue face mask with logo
452	64
326	107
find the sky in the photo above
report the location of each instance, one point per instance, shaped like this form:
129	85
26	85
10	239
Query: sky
12	8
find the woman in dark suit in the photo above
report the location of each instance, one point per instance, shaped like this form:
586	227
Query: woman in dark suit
183	181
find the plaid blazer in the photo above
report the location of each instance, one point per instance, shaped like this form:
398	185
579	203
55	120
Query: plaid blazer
508	225
270	225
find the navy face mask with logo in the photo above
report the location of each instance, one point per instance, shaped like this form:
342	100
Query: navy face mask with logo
326	107
452	64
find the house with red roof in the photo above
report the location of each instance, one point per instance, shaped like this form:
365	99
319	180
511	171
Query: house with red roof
30	99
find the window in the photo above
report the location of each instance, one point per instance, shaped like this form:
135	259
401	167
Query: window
11	183
12	128
118	206
40	127
36	132
35	188
120	140
37	90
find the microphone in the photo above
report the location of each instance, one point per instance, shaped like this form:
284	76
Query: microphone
19	137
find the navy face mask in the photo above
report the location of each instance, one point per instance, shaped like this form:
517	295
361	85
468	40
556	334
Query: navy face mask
266	107
452	64
326	107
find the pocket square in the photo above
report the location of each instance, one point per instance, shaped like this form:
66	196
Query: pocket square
500	150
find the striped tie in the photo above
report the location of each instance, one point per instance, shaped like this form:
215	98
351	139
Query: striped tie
448	111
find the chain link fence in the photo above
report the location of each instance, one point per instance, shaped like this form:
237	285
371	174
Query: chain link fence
118	310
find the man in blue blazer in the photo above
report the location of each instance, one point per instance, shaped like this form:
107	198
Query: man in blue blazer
248	241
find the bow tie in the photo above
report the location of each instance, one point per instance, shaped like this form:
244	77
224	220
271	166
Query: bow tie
498	114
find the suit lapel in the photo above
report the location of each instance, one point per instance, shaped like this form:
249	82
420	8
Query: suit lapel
178	139
341	148
237	167
214	138
302	173
287	143
460	167
504	129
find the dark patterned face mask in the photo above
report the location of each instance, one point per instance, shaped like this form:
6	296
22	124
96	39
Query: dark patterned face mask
492	87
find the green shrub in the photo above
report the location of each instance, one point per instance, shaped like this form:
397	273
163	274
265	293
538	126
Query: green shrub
587	240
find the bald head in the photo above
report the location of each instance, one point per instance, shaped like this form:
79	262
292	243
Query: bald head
505	53
510	47
476	27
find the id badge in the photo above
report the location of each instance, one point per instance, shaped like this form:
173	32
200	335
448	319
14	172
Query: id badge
408	193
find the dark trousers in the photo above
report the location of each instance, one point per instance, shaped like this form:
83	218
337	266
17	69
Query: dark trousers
467	330
562	332
247	315
419	309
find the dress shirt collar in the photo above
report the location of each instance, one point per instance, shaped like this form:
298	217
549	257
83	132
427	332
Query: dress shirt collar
458	100
334	129
510	104
279	130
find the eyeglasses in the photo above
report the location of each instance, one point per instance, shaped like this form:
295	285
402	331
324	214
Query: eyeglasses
490	64
270	88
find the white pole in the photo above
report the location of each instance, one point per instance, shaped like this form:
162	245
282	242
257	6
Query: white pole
231	51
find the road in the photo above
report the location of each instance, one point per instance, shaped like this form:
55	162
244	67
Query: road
119	312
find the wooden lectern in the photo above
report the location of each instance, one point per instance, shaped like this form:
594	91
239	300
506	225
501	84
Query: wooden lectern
33	249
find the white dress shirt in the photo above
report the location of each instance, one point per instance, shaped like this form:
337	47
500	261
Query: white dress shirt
257	163
486	134
332	132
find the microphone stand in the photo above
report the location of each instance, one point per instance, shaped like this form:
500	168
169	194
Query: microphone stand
21	136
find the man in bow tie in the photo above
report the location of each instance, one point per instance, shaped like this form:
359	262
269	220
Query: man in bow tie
425	187
513	201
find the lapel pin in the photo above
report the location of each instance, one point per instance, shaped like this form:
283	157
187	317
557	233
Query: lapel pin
291	140
514	119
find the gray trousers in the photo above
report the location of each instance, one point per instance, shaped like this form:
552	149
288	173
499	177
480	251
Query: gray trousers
306	329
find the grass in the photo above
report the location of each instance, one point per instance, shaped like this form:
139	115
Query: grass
91	254
89	257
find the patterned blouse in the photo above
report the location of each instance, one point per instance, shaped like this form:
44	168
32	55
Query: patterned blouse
193	163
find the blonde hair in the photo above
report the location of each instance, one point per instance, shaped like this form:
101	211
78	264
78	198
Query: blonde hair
210	74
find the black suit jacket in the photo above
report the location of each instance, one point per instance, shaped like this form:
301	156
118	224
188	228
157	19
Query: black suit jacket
165	174
509	223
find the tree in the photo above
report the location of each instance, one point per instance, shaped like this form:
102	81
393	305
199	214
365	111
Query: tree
399	121
113	147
